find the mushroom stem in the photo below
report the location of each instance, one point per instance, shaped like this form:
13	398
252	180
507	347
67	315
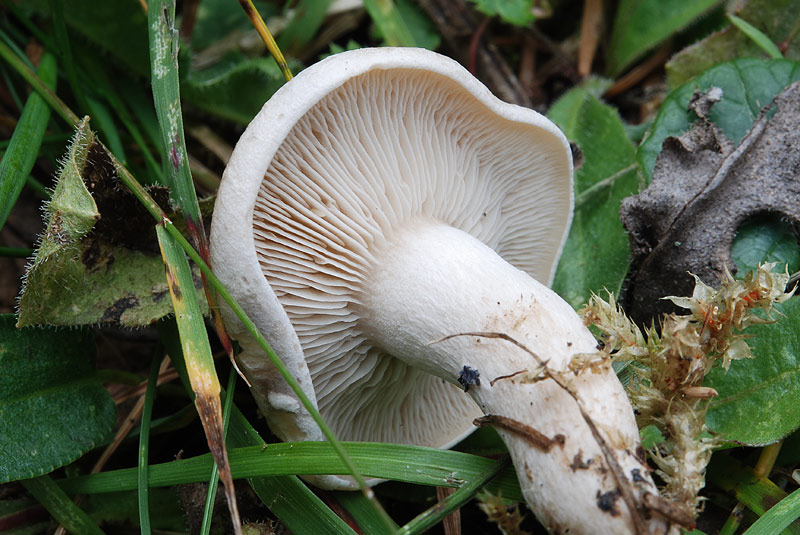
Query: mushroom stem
433	291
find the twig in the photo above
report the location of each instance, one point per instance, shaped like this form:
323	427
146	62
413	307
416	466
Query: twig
535	438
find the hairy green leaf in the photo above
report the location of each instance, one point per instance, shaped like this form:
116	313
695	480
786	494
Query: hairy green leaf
52	408
90	267
234	88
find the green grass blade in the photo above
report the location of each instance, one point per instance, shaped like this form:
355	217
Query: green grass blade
263	31
780	516
213	482
758	494
24	145
362	511
411	464
144	442
38	85
438	512
141	194
198	358
287	497
757	36
164	44
281	367
65	52
58	504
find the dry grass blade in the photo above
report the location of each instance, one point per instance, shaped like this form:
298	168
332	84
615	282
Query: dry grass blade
590	35
266	36
199	361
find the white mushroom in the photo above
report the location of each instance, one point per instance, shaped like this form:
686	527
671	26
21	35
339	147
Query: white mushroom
379	219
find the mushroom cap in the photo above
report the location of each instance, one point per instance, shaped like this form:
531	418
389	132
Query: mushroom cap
344	154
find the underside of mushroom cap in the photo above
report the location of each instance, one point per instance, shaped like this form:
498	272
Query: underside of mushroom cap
352	149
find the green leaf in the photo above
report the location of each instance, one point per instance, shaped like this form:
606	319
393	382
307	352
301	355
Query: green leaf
517	12
52	408
756	403
641	25
118	509
651	437
80	276
777	19
308	17
747	85
596	254
235	88
390	22
765	239
422	29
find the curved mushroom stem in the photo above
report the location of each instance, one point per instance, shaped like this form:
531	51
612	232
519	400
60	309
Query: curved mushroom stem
442	301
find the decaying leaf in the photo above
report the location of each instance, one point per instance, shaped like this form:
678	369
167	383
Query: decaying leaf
98	260
703	188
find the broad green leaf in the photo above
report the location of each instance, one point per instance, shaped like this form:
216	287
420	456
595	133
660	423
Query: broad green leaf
757	401
777	19
52	408
765	240
518	12
82	276
641	25
596	254
747	85
757	404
